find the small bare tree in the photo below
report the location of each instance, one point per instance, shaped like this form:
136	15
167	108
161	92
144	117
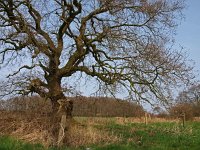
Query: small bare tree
123	44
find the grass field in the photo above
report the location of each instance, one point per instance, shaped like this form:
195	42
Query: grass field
129	136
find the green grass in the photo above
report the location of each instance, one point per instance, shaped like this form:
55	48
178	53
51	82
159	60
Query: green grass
7	143
134	136
155	136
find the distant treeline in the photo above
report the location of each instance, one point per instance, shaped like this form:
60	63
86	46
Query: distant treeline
83	106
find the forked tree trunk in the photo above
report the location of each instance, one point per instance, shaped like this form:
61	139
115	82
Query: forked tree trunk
65	115
61	112
61	119
68	106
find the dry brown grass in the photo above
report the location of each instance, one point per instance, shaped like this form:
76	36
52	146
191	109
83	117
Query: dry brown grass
25	127
196	119
42	129
120	120
86	135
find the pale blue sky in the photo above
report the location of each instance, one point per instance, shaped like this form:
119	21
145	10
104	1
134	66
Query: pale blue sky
188	33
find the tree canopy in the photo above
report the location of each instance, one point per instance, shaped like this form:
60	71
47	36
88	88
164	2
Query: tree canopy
125	45
189	95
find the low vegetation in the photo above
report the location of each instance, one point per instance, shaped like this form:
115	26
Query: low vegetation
27	124
120	133
7	143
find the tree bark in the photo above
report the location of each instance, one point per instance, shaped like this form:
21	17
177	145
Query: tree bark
61	110
55	91
68	107
55	105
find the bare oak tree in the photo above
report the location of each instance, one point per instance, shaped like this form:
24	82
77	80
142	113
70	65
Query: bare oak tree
123	44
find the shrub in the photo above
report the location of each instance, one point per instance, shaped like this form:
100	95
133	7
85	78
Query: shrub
177	110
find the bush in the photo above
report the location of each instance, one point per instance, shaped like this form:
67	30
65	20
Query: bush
180	108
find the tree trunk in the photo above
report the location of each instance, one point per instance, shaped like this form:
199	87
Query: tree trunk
61	110
65	108
61	119
64	115
55	106
55	92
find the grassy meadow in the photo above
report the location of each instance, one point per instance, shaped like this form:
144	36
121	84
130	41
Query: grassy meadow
122	134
